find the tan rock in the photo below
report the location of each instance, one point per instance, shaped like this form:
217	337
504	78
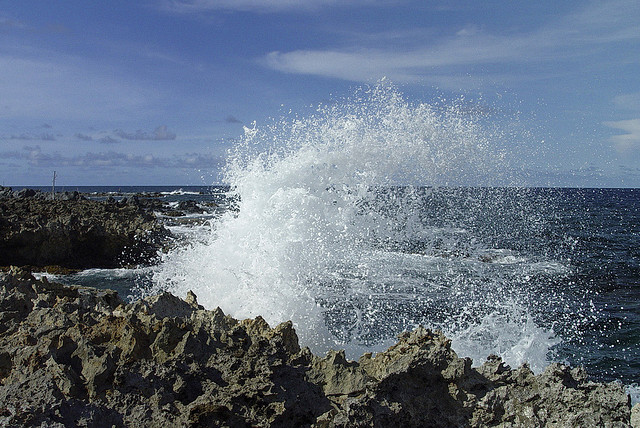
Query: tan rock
74	356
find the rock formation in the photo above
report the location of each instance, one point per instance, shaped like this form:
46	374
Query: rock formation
73	356
74	232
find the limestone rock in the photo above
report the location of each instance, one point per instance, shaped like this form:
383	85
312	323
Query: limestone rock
635	416
74	356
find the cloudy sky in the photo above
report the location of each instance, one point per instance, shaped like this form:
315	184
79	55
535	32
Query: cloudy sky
155	91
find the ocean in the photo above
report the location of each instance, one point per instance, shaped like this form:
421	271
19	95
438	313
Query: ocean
374	215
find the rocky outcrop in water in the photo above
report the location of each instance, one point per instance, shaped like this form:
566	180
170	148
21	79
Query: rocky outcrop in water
72	356
73	232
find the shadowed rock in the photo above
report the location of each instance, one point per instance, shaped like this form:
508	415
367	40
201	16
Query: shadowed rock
75	233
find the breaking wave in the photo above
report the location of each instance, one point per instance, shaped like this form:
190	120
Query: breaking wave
358	222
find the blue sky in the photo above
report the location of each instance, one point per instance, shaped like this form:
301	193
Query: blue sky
155	92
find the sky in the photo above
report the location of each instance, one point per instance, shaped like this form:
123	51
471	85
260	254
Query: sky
155	92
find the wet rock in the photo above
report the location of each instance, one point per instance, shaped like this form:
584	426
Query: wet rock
174	213
74	356
152	204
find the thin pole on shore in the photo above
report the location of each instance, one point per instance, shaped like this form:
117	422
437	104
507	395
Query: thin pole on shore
53	187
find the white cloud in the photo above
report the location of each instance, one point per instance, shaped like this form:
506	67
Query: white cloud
160	133
30	136
605	22
400	65
468	31
631	139
194	6
409	60
36	157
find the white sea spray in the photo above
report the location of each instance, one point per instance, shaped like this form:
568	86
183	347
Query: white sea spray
329	232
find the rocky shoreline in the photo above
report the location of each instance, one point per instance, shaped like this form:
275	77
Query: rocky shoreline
78	356
74	356
74	232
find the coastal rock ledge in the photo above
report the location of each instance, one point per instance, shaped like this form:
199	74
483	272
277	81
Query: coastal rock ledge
75	232
75	356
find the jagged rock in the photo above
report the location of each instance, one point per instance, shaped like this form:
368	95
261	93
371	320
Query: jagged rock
75	233
69	196
25	193
74	356
6	192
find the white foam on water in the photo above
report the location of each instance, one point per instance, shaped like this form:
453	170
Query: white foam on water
180	192
105	273
50	276
510	333
191	230
320	235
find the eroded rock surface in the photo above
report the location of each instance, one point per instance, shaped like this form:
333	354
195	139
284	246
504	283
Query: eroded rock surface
74	232
72	356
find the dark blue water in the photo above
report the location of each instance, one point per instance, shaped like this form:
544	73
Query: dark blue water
594	306
603	230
